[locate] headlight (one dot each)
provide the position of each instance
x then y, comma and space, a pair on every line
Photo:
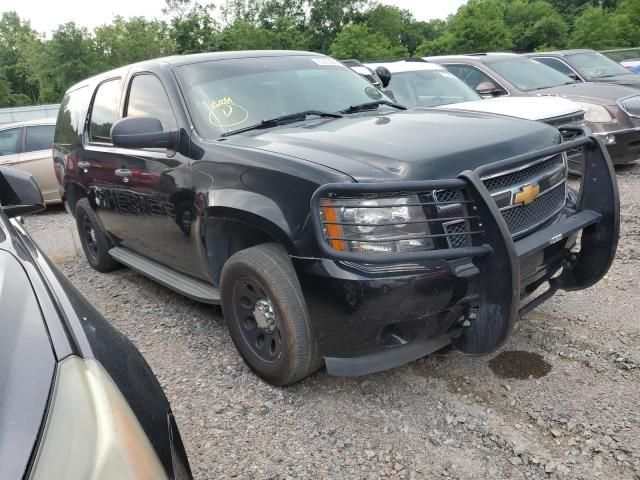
91, 432
376, 225
595, 113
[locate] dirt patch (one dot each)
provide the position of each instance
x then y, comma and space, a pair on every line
519, 364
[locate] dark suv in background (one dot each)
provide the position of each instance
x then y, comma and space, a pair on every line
332, 224
588, 66
612, 111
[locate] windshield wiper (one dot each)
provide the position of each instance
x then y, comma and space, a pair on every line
282, 120
371, 105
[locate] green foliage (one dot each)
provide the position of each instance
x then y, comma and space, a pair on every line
598, 29
358, 41
535, 23
479, 26
127, 41
34, 69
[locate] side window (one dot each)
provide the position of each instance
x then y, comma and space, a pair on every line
147, 97
556, 64
71, 118
10, 141
469, 75
104, 111
39, 137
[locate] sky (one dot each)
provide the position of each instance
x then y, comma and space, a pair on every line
46, 15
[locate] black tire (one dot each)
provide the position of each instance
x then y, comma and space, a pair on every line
94, 240
250, 278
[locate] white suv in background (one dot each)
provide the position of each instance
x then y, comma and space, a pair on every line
421, 84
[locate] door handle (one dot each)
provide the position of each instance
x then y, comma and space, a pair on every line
123, 173
84, 165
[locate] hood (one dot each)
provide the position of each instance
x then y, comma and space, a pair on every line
530, 108
592, 92
27, 365
417, 144
632, 80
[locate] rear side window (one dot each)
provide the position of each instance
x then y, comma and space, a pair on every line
469, 75
10, 141
71, 118
147, 97
555, 64
104, 111
39, 137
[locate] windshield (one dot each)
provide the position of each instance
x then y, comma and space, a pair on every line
430, 88
527, 74
227, 95
596, 65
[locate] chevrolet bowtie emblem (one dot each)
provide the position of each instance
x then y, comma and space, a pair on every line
527, 194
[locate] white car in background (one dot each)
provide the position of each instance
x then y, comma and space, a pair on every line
421, 84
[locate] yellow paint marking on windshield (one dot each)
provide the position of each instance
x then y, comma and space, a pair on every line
225, 113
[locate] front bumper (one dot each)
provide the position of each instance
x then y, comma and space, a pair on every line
371, 313
625, 148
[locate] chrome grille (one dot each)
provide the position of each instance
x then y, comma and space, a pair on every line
550, 174
568, 120
513, 179
631, 105
524, 217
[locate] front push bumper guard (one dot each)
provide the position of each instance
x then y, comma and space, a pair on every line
496, 254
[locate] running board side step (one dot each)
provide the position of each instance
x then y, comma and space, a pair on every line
179, 282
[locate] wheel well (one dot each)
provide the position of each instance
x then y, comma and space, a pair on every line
73, 193
225, 237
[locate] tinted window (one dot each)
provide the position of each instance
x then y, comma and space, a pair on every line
527, 74
470, 75
104, 112
71, 117
9, 141
39, 137
227, 95
147, 97
556, 64
597, 65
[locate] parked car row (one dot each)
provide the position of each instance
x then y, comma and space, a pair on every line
333, 224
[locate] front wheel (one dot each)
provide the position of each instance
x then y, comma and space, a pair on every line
267, 316
93, 238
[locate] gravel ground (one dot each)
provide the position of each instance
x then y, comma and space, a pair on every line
561, 399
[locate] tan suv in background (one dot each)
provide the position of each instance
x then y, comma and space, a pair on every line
27, 146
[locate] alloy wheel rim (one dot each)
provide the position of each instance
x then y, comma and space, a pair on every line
90, 237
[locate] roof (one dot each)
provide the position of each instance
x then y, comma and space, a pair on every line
563, 53
179, 60
404, 66
474, 57
19, 114
38, 121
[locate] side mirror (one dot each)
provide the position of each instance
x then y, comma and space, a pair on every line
573, 76
142, 132
19, 193
384, 75
488, 89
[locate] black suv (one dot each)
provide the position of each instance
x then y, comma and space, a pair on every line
332, 224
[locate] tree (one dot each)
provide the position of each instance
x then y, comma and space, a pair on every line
69, 56
417, 33
125, 41
357, 41
328, 17
16, 38
479, 27
388, 21
535, 24
194, 32
598, 29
